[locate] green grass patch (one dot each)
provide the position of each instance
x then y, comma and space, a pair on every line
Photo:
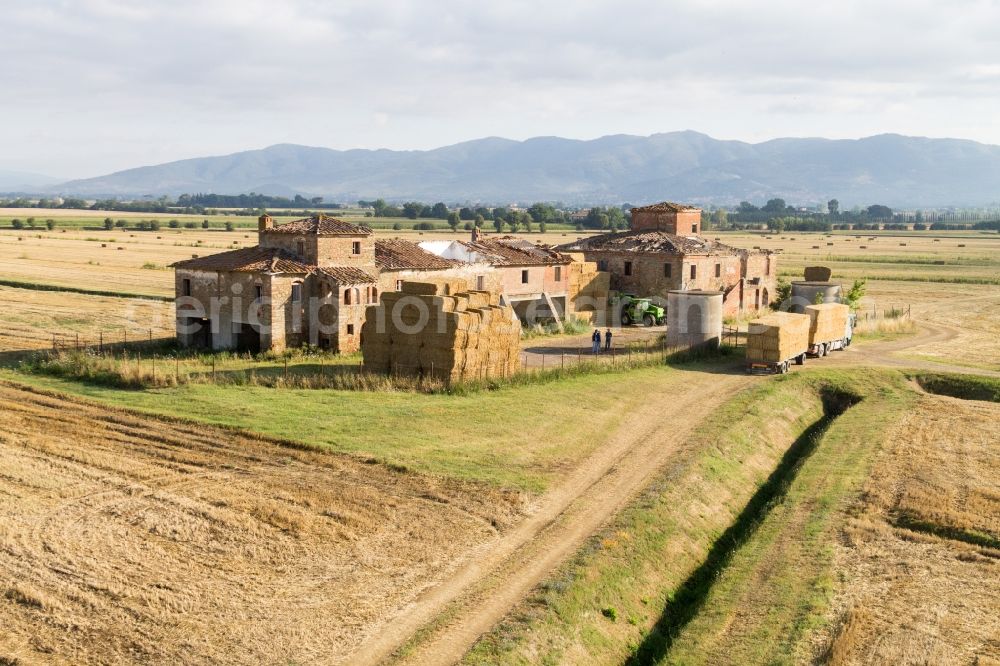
523, 436
19, 284
677, 563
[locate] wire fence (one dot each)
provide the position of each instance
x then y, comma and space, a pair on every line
129, 359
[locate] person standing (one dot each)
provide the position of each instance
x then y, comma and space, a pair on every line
596, 339
607, 340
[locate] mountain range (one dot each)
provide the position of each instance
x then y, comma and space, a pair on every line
685, 166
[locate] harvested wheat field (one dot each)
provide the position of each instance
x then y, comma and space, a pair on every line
125, 538
31, 318
920, 557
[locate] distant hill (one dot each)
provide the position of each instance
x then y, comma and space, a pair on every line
686, 166
24, 181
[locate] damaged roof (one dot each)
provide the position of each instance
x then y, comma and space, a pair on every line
320, 225
254, 259
659, 242
514, 251
666, 207
346, 274
396, 254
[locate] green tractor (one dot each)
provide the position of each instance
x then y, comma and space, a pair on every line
641, 311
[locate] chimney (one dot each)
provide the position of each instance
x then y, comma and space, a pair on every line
476, 233
265, 222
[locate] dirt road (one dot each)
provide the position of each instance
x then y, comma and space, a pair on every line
503, 571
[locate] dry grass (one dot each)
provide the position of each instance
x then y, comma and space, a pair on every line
30, 318
909, 595
126, 539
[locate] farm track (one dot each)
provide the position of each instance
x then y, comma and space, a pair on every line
505, 570
441, 625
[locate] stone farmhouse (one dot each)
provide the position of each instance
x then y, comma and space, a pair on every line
663, 251
310, 282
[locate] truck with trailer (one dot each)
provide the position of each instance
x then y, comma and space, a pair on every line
831, 327
776, 340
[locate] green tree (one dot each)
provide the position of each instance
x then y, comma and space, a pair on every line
775, 205
17, 224
154, 225
833, 206
782, 292
439, 211
466, 213
719, 218
541, 226
229, 225
412, 209
856, 293
454, 219
541, 212
525, 220
480, 220
879, 212
498, 224
50, 224
109, 224
173, 224
204, 224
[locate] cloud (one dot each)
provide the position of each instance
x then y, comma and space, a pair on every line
96, 85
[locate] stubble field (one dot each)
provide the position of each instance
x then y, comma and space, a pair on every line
128, 537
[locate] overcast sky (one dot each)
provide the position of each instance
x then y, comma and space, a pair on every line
94, 86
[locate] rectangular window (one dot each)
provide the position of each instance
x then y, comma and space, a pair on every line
350, 329
399, 285
718, 270
301, 247
694, 228
481, 283
524, 277
628, 268
356, 247
186, 287
296, 293
694, 271
667, 270
558, 273
258, 293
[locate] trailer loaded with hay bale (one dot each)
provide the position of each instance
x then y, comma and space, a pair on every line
831, 327
441, 330
775, 341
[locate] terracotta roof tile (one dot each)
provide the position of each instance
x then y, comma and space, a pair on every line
666, 207
321, 225
247, 260
346, 274
514, 251
395, 254
650, 242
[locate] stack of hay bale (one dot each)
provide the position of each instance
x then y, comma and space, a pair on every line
777, 337
442, 330
827, 322
587, 288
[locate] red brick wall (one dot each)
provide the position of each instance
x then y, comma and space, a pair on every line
684, 223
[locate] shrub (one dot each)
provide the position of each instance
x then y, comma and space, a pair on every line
610, 613
397, 226
154, 225
17, 224
204, 224
229, 226
109, 224
173, 224
121, 224
50, 224
31, 222
190, 225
